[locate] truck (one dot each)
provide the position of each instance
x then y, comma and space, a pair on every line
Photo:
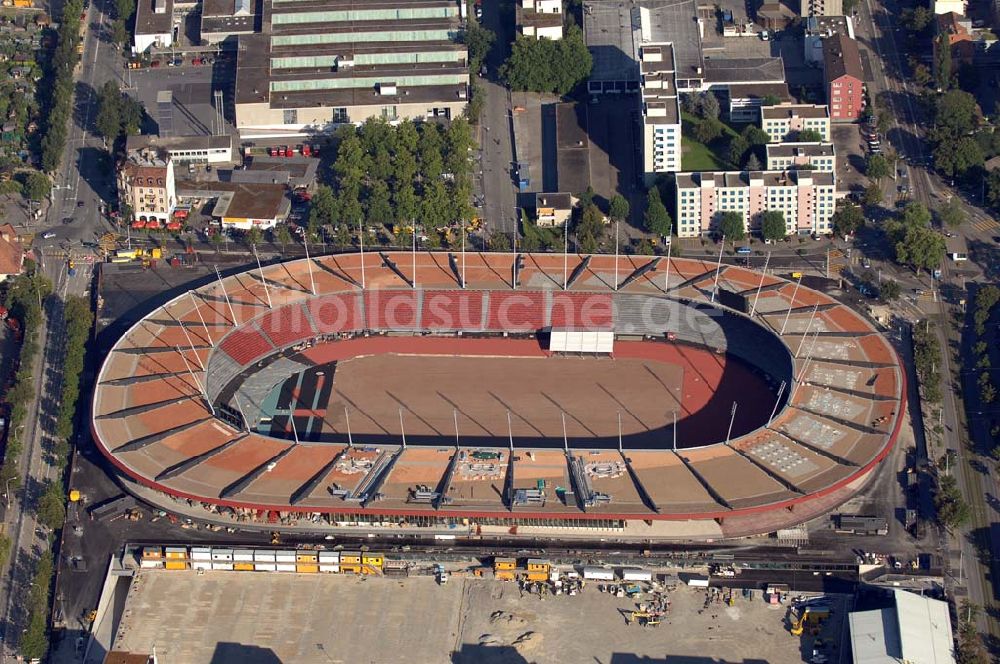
523, 176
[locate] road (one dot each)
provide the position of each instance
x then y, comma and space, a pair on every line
86, 176
495, 130
877, 28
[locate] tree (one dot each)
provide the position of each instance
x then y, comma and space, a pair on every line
707, 130
322, 207
956, 114
216, 239
51, 506
873, 194
810, 136
657, 219
253, 236
709, 106
738, 147
754, 135
847, 219
283, 236
109, 119
916, 214
921, 74
37, 186
915, 19
890, 291
952, 510
479, 40
772, 225
771, 100
955, 156
731, 225
921, 247
876, 167
942, 62
589, 229
618, 209
951, 213
753, 163
543, 65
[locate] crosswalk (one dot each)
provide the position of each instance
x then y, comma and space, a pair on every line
838, 262
986, 225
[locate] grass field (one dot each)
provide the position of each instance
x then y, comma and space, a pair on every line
697, 156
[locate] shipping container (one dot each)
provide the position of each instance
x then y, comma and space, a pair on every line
176, 564
598, 573
372, 559
329, 556
285, 567
152, 553
263, 556
243, 567
264, 567
284, 556
151, 564
329, 568
350, 568
635, 574
537, 565
201, 564
177, 553
504, 574
223, 555
351, 557
538, 576
201, 553
306, 568
224, 566
697, 581
306, 557
243, 555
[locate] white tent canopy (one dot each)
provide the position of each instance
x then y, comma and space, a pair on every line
563, 340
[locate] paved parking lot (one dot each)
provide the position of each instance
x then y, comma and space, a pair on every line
851, 155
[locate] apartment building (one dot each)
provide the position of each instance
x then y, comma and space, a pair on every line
797, 156
318, 63
154, 25
783, 121
844, 78
661, 111
805, 198
146, 185
542, 19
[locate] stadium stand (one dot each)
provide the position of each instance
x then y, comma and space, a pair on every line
287, 325
245, 344
521, 311
452, 310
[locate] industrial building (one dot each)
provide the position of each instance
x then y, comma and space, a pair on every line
915, 629
185, 149
783, 121
154, 25
316, 64
806, 199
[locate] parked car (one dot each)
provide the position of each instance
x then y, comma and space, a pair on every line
48, 235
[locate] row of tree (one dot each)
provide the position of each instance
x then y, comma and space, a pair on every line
57, 104
915, 243
118, 114
545, 65
927, 361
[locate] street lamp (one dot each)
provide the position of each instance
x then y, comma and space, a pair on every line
6, 490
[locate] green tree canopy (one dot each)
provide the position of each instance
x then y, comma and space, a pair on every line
37, 186
847, 219
657, 219
618, 208
954, 156
920, 247
810, 136
754, 135
707, 130
543, 65
890, 290
589, 229
916, 214
876, 167
738, 147
109, 120
731, 226
951, 213
479, 40
873, 194
956, 113
772, 225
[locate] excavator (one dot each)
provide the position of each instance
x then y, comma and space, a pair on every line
811, 616
644, 618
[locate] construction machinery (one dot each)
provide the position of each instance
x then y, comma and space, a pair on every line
644, 618
811, 616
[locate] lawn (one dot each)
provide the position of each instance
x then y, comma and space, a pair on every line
698, 156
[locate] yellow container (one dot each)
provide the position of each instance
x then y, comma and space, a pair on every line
349, 569
306, 568
504, 563
177, 564
538, 576
152, 553
373, 559
306, 557
536, 565
350, 557
243, 567
504, 575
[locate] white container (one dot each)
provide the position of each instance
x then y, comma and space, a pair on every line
636, 574
263, 556
201, 564
335, 569
598, 574
224, 555
698, 582
200, 553
285, 567
151, 564
226, 567
243, 555
329, 556
285, 556
263, 567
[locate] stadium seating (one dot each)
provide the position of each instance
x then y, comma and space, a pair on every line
332, 314
520, 311
452, 310
245, 345
287, 325
391, 310
582, 311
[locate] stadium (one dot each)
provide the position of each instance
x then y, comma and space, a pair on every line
552, 392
